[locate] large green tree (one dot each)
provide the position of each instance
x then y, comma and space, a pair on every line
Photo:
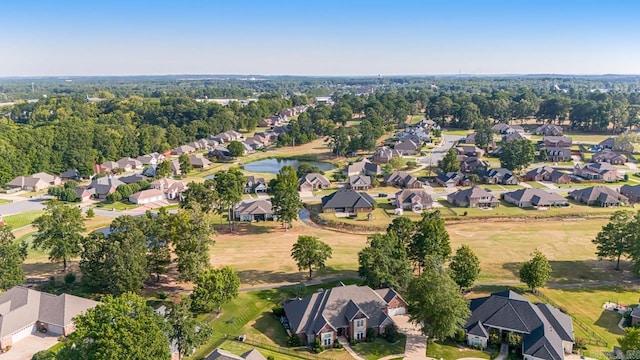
204, 194
517, 154
235, 149
464, 267
185, 164
449, 162
157, 228
536, 272
484, 134
214, 287
285, 197
117, 263
403, 228
384, 262
122, 327
430, 240
229, 186
435, 303
190, 233
630, 341
617, 237
184, 330
59, 231
12, 255
310, 253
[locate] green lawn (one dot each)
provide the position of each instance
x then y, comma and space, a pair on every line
22, 219
239, 348
456, 132
452, 351
537, 185
118, 206
380, 348
5, 201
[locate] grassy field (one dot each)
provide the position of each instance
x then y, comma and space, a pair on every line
451, 351
118, 206
380, 348
5, 201
22, 219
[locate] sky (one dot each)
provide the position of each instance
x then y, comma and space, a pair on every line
326, 37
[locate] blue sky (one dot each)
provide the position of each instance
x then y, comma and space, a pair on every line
329, 37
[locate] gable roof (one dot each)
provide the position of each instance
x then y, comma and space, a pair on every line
335, 307
314, 178
20, 307
254, 207
630, 190
413, 196
542, 326
347, 198
535, 196
603, 194
146, 194
360, 180
220, 354
470, 193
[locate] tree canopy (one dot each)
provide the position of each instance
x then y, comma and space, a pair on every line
536, 272
310, 253
449, 162
59, 231
190, 233
384, 262
464, 267
12, 255
517, 154
214, 287
430, 240
617, 237
285, 197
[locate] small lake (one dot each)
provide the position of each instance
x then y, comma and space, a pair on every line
273, 166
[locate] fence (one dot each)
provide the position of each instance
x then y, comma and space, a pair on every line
593, 339
299, 352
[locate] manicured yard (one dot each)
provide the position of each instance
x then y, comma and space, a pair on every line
22, 219
239, 348
5, 201
452, 351
117, 206
380, 348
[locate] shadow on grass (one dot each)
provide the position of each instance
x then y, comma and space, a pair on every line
579, 271
243, 229
270, 326
608, 320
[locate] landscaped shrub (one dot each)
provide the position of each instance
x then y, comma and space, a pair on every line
391, 333
337, 345
294, 341
352, 341
580, 344
371, 334
460, 336
316, 347
278, 311
270, 357
494, 338
514, 340
627, 318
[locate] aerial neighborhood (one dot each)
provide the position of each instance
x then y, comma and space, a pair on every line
355, 221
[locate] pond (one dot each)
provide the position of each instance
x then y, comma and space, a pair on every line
273, 166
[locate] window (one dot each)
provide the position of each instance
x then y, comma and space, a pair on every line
359, 335
326, 339
360, 323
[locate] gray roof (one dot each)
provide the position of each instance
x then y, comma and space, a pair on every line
336, 307
360, 180
21, 307
347, 198
132, 178
536, 196
220, 354
314, 178
413, 196
254, 207
102, 185
630, 190
603, 194
464, 196
546, 169
70, 174
636, 312
543, 326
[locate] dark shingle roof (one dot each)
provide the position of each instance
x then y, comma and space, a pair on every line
347, 198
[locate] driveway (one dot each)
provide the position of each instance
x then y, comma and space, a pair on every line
416, 348
25, 348
22, 205
448, 141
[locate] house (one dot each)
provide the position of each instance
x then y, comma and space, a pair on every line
131, 179
513, 136
83, 193
547, 173
146, 196
52, 180
255, 142
347, 201
635, 316
128, 164
151, 159
172, 189
220, 152
255, 185
182, 150
532, 197
473, 197
599, 196
596, 172
547, 333
384, 154
219, 354
609, 156
198, 161
607, 144
407, 147
101, 187
364, 167
548, 130
71, 174
558, 153
25, 311
360, 182
557, 142
254, 210
313, 182
470, 139
500, 176
502, 128
342, 311
631, 191
472, 151
452, 179
402, 180
472, 164
108, 166
27, 183
228, 136
415, 200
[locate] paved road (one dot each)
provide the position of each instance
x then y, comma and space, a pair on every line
448, 141
20, 206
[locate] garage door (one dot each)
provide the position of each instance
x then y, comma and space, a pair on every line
54, 329
397, 311
23, 333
